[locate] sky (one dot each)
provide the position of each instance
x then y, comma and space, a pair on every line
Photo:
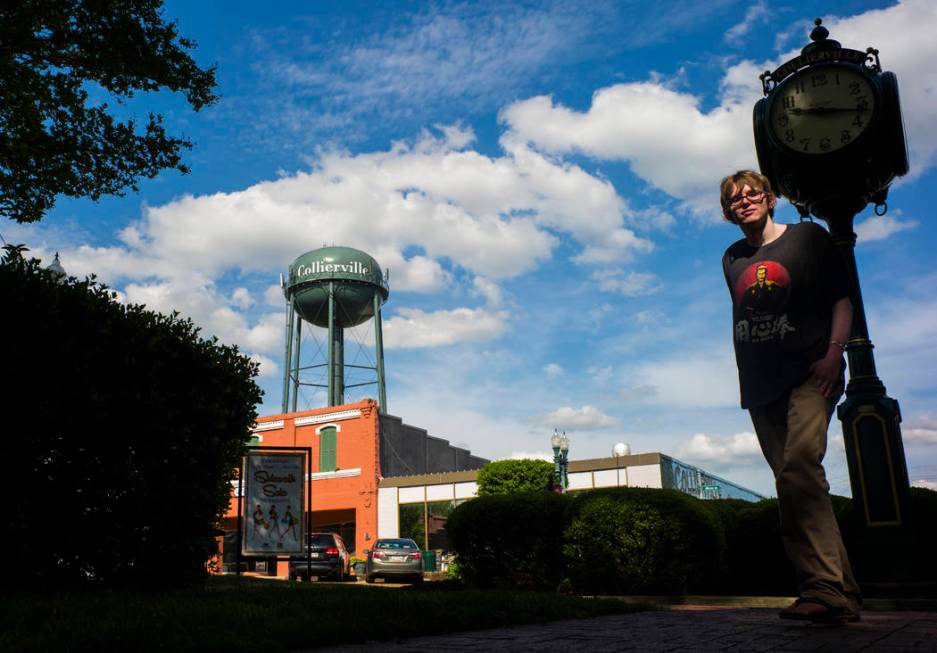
541, 180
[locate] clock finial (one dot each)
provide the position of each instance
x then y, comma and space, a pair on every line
819, 40
819, 32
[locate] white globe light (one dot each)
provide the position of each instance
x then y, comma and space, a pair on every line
621, 449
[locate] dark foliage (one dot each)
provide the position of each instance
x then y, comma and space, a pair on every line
509, 540
124, 428
757, 563
642, 541
509, 476
53, 139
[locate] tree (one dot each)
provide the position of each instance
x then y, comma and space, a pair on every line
510, 476
53, 139
123, 431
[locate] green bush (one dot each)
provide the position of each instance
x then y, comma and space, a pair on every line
509, 476
509, 540
123, 431
756, 562
642, 541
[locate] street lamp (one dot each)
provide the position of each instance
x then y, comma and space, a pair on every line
560, 444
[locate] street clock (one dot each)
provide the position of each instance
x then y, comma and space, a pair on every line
828, 132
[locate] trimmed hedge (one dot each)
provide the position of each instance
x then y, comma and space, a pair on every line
509, 540
124, 428
641, 541
648, 541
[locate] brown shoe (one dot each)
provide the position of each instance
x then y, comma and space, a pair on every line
818, 612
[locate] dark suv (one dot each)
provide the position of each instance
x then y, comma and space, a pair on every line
328, 557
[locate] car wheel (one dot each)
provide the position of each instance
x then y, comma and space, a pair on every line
418, 580
369, 579
292, 578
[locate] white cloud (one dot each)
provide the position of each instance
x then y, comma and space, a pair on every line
273, 296
600, 375
426, 209
879, 228
927, 485
241, 297
553, 370
489, 291
662, 133
531, 455
671, 142
445, 54
738, 449
584, 418
633, 284
686, 380
923, 430
414, 328
755, 15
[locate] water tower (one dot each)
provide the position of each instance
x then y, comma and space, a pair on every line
333, 288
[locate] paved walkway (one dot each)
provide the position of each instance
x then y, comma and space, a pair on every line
690, 628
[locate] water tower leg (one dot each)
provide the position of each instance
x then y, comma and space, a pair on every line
336, 354
290, 316
379, 355
299, 333
331, 352
338, 348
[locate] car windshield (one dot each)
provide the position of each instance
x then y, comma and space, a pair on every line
321, 540
396, 544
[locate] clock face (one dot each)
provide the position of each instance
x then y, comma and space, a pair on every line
822, 109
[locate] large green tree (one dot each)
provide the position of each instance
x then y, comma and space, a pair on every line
53, 139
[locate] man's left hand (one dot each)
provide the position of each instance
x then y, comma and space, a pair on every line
827, 371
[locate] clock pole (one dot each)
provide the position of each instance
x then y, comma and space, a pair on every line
796, 125
871, 420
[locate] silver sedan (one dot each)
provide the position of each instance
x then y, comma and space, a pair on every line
397, 558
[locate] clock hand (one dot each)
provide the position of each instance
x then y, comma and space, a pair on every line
824, 110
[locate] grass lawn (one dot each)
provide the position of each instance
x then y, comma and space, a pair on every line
248, 614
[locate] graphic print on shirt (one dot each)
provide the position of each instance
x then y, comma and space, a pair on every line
761, 294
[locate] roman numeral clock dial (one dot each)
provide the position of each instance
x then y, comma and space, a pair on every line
822, 109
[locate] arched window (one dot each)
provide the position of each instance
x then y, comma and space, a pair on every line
328, 442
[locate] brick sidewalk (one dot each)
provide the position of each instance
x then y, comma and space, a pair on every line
689, 628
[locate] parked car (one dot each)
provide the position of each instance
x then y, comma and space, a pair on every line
328, 557
397, 558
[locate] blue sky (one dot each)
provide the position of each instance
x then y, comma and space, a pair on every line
541, 180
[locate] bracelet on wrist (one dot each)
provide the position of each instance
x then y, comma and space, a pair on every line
842, 347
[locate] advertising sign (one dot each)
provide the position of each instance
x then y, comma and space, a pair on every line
274, 503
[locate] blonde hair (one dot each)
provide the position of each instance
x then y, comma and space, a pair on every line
755, 180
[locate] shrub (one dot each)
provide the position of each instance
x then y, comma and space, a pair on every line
509, 540
641, 541
756, 561
124, 428
508, 476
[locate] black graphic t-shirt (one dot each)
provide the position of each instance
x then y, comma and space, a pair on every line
782, 306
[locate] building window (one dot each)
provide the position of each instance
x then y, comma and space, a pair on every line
327, 447
413, 522
437, 513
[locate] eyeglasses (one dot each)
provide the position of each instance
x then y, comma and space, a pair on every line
753, 197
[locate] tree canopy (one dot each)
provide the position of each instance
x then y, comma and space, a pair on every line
53, 139
509, 476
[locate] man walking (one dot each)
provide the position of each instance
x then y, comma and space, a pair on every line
791, 318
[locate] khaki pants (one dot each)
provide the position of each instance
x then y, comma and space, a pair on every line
792, 434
